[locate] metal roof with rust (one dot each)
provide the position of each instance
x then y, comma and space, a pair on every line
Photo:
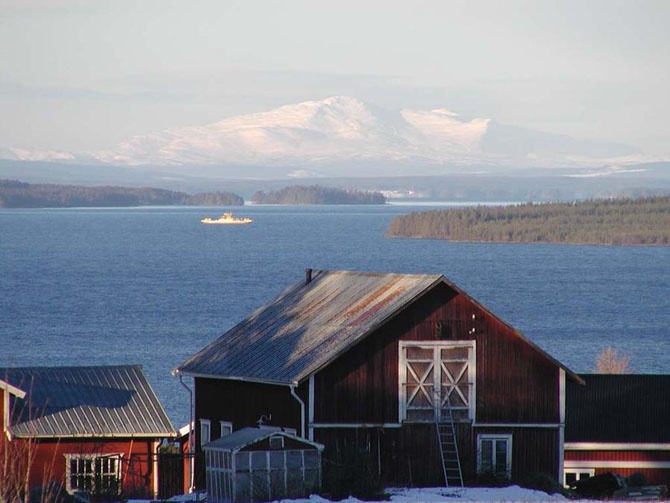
307, 325
312, 323
104, 401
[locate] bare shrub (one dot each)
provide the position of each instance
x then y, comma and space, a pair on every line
609, 361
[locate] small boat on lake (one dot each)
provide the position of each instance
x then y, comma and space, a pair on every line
226, 219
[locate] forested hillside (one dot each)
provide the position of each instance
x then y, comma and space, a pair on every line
314, 194
15, 194
610, 222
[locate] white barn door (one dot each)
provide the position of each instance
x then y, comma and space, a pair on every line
435, 376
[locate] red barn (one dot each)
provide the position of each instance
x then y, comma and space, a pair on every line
619, 424
93, 430
408, 367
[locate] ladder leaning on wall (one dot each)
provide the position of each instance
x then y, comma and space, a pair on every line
448, 445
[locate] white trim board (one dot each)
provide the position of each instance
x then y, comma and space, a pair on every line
356, 425
597, 446
588, 463
517, 425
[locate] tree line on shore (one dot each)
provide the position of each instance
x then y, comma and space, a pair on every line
644, 221
315, 194
16, 194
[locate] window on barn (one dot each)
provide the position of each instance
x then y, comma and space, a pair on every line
437, 378
100, 475
205, 431
572, 475
225, 427
494, 455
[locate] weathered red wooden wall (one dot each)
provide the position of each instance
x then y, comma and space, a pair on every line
136, 467
243, 403
515, 384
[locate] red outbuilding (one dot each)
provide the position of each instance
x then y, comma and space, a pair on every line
408, 368
619, 424
94, 430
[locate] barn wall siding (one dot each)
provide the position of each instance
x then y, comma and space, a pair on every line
243, 403
515, 384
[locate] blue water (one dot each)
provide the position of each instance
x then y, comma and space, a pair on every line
152, 286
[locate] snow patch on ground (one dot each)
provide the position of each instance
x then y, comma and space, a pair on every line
402, 495
424, 494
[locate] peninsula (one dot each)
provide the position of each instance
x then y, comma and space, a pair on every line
16, 194
621, 222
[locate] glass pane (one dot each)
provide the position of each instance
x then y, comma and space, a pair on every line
413, 353
501, 456
456, 353
312, 459
276, 460
243, 486
259, 461
422, 370
293, 459
487, 456
277, 485
295, 484
454, 371
242, 462
423, 397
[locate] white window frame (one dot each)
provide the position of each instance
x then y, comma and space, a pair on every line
590, 472
205, 425
226, 426
116, 473
402, 372
276, 442
493, 437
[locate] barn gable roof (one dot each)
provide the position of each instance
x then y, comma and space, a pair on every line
623, 408
312, 323
105, 401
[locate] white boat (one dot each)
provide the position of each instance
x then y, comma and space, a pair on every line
226, 219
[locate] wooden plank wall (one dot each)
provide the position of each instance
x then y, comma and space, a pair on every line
514, 382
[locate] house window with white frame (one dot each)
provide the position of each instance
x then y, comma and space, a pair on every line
205, 431
494, 455
572, 475
93, 474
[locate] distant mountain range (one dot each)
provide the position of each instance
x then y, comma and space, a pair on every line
342, 136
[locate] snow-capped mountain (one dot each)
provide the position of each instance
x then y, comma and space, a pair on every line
341, 129
342, 136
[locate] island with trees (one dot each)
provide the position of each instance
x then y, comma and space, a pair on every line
644, 221
16, 194
315, 194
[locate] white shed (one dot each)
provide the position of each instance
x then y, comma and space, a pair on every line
260, 464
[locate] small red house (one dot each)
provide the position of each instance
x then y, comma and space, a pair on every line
407, 367
94, 430
619, 424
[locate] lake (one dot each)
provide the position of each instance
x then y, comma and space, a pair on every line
152, 286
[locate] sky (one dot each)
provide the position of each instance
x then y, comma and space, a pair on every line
84, 75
